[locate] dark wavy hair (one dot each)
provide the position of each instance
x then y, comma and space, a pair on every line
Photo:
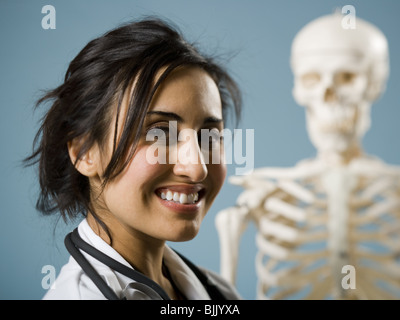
93, 88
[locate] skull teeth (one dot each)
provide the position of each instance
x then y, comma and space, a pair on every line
342, 126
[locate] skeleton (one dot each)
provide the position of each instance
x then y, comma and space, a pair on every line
339, 211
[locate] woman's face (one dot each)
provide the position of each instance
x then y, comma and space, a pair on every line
138, 201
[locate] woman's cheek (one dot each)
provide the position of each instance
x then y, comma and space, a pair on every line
143, 170
140, 175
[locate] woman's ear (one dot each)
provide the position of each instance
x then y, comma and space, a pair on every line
88, 164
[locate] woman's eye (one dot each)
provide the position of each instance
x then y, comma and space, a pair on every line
212, 137
160, 133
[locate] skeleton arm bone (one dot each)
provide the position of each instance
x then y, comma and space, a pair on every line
230, 224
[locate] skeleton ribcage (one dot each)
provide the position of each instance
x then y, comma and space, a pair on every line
333, 237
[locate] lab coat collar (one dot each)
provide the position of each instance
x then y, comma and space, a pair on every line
183, 277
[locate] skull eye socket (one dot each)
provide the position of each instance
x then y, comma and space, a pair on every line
345, 78
310, 79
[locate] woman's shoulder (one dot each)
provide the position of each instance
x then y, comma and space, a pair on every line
72, 284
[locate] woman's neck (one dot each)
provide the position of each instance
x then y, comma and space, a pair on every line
143, 253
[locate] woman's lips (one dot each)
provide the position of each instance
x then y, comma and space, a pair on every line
181, 198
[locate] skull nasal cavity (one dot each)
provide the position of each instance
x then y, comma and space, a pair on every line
330, 95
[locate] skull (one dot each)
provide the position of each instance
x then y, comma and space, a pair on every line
338, 74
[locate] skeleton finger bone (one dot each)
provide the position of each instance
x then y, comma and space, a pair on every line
280, 231
298, 191
253, 198
281, 207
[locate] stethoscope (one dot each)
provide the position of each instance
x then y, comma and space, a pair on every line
74, 242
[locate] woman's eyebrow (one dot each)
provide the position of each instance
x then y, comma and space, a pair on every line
166, 114
178, 118
213, 120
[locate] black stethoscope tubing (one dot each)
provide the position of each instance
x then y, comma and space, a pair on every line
74, 242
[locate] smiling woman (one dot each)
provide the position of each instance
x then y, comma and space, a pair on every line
91, 149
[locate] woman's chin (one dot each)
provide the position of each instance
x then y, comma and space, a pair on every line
183, 235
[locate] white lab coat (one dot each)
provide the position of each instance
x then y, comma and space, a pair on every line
73, 284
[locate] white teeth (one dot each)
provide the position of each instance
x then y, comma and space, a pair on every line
180, 197
183, 198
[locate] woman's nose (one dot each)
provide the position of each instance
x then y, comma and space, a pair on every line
190, 161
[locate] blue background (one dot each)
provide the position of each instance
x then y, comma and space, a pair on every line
256, 35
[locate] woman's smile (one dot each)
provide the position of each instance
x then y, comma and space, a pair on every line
181, 198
